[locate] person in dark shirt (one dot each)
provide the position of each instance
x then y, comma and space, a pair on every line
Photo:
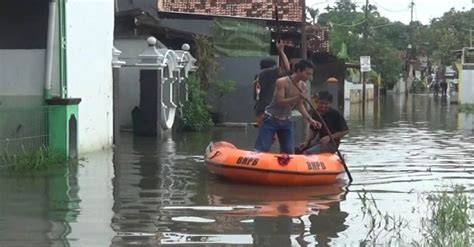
319, 140
265, 83
442, 82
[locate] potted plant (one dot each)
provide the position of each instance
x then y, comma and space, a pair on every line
218, 90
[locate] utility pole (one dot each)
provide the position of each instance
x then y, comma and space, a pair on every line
412, 4
363, 77
366, 12
304, 52
410, 48
470, 35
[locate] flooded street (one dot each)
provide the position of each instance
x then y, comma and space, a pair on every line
147, 193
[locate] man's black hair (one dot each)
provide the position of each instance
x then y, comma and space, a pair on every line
325, 95
302, 65
267, 63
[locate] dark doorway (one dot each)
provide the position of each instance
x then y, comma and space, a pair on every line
73, 137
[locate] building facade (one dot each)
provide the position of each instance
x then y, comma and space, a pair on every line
56, 75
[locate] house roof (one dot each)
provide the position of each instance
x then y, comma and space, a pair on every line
200, 16
289, 10
130, 19
318, 36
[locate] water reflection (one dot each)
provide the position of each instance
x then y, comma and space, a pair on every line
38, 209
285, 216
274, 216
159, 192
147, 179
466, 122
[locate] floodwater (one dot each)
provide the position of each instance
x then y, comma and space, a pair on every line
153, 193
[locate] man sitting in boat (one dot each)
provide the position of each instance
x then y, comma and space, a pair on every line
319, 140
278, 113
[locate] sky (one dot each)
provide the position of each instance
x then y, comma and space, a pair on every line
398, 10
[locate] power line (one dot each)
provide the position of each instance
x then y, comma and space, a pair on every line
391, 10
332, 3
314, 4
347, 25
416, 14
383, 25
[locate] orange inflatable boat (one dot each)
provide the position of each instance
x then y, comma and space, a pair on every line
226, 160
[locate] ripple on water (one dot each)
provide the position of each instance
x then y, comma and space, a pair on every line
162, 194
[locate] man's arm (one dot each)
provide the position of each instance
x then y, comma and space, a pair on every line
303, 111
336, 136
342, 130
286, 63
307, 117
339, 135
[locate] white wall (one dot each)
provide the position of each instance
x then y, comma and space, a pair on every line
465, 121
466, 89
353, 91
400, 87
90, 25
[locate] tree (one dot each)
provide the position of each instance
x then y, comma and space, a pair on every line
386, 40
348, 26
445, 34
313, 14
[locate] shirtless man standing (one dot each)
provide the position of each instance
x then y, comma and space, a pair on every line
277, 118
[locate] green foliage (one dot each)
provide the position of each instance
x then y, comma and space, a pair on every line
467, 108
206, 60
380, 223
195, 115
196, 111
448, 222
445, 34
418, 86
41, 159
382, 43
342, 54
386, 41
218, 90
313, 14
224, 86
235, 37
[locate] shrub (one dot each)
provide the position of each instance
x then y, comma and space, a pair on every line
195, 116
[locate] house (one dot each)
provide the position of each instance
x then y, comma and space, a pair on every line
56, 83
132, 28
466, 84
176, 22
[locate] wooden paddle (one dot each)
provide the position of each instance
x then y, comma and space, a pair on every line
333, 142
308, 143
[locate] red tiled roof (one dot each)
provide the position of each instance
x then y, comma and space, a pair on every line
288, 9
